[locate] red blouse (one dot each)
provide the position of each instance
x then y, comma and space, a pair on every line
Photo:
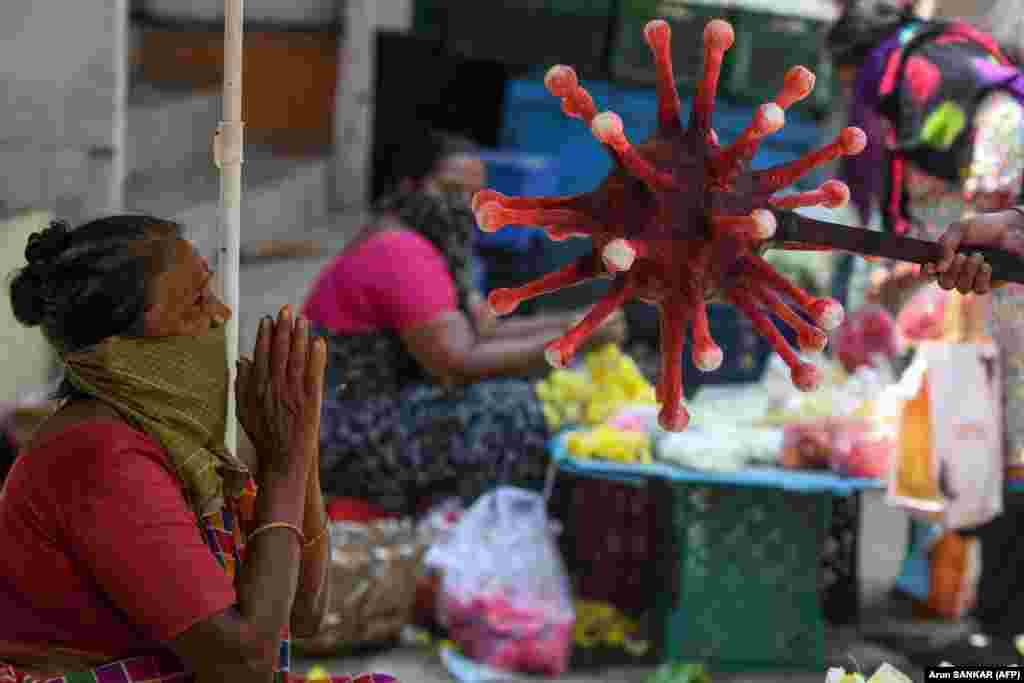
98, 549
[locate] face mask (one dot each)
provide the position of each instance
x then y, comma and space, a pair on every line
174, 389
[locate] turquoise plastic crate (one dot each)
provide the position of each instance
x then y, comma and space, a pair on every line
748, 592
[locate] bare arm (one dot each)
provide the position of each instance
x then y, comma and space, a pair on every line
243, 643
314, 593
451, 352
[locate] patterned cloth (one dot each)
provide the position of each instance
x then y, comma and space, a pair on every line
225, 533
398, 440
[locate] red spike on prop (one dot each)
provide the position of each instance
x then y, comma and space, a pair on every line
561, 351
658, 35
607, 128
805, 376
707, 355
768, 119
679, 221
832, 194
674, 313
496, 211
798, 84
809, 338
561, 82
850, 141
718, 37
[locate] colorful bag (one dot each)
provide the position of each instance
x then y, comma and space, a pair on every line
949, 465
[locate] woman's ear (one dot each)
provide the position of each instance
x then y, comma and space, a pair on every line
152, 325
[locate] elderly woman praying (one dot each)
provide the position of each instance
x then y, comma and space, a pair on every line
135, 545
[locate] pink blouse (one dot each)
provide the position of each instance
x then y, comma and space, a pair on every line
395, 279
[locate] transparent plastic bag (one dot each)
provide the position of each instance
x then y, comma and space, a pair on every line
505, 596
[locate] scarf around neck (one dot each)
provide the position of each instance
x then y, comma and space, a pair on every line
175, 390
448, 223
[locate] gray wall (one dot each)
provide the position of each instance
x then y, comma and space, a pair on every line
63, 72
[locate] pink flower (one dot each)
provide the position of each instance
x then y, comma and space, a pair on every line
923, 78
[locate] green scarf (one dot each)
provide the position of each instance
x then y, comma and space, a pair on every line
175, 390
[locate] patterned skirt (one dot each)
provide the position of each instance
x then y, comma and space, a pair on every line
401, 451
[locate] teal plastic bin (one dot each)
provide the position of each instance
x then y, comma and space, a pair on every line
749, 579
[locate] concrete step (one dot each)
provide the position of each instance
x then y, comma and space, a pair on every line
281, 196
265, 287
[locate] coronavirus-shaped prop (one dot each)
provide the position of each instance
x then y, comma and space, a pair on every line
681, 221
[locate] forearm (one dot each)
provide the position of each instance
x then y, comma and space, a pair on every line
503, 357
269, 576
313, 593
528, 326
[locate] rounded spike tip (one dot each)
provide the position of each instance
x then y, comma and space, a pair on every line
719, 35
853, 140
502, 301
828, 314
709, 359
837, 194
765, 223
674, 420
553, 356
607, 127
561, 80
658, 33
618, 255
489, 217
483, 197
771, 119
801, 81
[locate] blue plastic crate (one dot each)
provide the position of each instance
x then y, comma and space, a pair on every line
518, 174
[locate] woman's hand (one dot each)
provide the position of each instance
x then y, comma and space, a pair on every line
1002, 229
279, 394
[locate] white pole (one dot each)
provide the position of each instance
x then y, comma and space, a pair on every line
115, 196
353, 107
228, 157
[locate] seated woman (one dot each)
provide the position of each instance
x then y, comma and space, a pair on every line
135, 546
426, 392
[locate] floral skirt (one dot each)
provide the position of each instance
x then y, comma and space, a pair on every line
400, 451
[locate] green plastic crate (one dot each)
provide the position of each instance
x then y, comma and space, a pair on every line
632, 61
769, 45
532, 33
749, 579
429, 18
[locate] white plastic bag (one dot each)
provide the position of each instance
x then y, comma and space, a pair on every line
966, 412
506, 598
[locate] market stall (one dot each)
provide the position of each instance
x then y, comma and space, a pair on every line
745, 498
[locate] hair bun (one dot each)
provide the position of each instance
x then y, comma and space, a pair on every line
45, 247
